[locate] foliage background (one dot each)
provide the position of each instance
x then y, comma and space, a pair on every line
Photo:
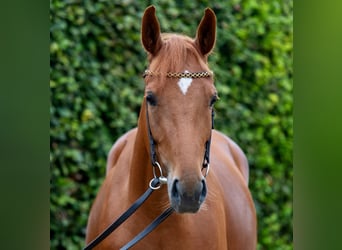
96, 62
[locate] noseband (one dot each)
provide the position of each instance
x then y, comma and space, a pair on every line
153, 154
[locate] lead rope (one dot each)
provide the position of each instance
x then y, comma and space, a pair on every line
154, 184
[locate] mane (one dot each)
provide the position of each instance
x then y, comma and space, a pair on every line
176, 55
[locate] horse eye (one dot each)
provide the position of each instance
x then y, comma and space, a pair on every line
213, 100
151, 99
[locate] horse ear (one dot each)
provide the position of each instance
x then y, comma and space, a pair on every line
150, 31
206, 32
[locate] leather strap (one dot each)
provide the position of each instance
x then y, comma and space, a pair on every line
123, 217
153, 154
149, 228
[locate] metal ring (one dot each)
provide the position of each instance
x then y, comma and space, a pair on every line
207, 167
155, 187
156, 164
162, 179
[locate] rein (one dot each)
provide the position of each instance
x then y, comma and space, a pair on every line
154, 185
156, 182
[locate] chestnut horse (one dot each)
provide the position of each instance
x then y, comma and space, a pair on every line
213, 209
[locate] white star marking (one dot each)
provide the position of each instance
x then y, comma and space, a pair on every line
184, 83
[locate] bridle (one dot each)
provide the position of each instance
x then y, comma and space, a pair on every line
201, 74
153, 154
157, 181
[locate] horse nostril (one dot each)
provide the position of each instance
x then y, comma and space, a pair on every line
175, 190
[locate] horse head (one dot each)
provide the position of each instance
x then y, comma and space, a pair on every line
179, 98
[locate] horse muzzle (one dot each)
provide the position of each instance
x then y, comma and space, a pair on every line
187, 196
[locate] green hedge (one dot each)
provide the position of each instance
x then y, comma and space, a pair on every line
96, 89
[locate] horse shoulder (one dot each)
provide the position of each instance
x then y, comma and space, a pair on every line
118, 148
235, 152
230, 172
